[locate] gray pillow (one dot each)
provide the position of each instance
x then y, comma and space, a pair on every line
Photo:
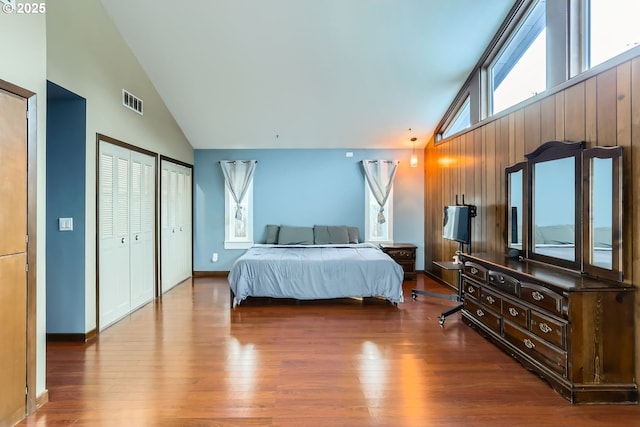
338, 235
321, 235
290, 235
353, 234
272, 234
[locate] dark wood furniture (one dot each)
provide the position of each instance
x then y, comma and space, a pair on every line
574, 331
405, 255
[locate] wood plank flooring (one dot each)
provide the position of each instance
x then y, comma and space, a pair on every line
187, 360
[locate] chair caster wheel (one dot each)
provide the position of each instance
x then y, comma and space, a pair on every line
414, 296
441, 320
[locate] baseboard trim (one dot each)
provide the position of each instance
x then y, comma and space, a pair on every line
210, 273
72, 337
42, 398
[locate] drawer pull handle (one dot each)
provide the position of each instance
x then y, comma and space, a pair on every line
470, 289
537, 296
529, 344
545, 328
480, 313
501, 279
490, 300
474, 270
513, 312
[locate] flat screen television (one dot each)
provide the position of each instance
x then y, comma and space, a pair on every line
456, 224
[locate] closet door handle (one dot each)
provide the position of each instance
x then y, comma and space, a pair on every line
122, 240
137, 237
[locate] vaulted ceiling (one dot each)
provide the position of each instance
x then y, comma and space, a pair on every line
307, 73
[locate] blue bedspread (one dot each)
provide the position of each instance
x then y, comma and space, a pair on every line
316, 272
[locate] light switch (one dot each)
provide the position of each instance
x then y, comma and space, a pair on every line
65, 224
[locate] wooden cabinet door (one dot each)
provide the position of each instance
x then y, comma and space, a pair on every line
13, 257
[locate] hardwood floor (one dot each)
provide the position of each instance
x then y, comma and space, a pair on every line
188, 360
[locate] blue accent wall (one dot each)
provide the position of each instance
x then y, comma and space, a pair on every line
65, 178
301, 187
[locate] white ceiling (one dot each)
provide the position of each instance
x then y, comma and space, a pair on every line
307, 73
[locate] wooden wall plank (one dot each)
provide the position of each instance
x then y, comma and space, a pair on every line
591, 112
574, 113
623, 105
479, 145
606, 107
632, 199
519, 133
488, 207
548, 119
560, 112
532, 133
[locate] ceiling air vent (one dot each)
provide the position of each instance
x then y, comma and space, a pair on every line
132, 102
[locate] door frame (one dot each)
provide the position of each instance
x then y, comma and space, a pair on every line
32, 400
110, 140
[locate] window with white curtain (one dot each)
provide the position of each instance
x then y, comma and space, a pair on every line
374, 231
238, 232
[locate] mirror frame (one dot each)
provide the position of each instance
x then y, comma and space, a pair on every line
518, 167
556, 150
615, 154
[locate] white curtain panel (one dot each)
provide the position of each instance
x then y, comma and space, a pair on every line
237, 176
379, 174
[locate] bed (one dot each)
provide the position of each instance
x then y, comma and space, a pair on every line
315, 271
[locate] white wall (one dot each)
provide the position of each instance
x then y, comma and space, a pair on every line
24, 64
86, 55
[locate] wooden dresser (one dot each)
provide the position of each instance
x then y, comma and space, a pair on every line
574, 331
405, 255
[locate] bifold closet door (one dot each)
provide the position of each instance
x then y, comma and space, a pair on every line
175, 219
142, 235
126, 253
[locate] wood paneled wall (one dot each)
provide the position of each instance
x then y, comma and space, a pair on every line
601, 110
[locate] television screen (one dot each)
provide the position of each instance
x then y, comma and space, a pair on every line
457, 224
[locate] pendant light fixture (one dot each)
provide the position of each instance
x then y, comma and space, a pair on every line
414, 158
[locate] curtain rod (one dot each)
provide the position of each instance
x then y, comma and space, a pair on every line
243, 161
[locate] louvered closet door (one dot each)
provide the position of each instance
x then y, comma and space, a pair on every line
114, 240
142, 225
176, 253
186, 237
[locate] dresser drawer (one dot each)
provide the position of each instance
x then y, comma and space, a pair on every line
504, 282
550, 329
402, 254
491, 299
476, 271
547, 354
484, 315
543, 298
515, 312
470, 289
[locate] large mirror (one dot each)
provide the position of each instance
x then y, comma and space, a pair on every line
603, 195
554, 209
564, 207
555, 203
515, 206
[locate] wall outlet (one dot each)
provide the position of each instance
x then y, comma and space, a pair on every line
214, 257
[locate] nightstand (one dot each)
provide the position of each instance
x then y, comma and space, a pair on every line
405, 255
